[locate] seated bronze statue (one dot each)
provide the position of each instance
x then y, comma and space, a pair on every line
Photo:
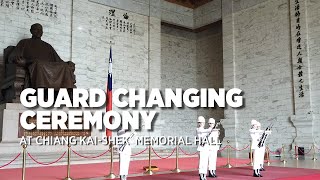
40, 65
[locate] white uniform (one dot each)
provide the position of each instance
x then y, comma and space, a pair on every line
203, 150
213, 149
125, 153
255, 136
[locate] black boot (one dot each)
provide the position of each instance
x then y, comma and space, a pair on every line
255, 173
122, 177
259, 173
202, 177
212, 173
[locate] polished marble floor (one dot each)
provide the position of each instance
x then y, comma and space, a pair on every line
302, 162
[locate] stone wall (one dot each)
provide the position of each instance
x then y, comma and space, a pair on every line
210, 66
177, 15
207, 13
178, 70
190, 60
260, 57
259, 64
313, 26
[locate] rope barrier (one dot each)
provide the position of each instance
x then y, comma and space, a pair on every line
223, 148
10, 161
91, 157
175, 149
187, 154
166, 156
140, 152
275, 152
239, 149
45, 164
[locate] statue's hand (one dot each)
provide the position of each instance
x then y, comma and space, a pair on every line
20, 61
72, 65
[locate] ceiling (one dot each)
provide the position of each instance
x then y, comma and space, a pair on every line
190, 3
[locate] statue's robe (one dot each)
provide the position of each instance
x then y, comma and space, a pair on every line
45, 68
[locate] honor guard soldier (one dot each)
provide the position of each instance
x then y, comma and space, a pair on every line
124, 150
213, 147
254, 133
202, 148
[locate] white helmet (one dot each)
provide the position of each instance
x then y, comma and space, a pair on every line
254, 122
258, 124
211, 120
201, 119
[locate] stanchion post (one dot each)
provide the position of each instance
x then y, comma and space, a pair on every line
228, 165
111, 175
250, 155
283, 155
314, 152
149, 171
177, 170
268, 156
296, 149
68, 166
24, 156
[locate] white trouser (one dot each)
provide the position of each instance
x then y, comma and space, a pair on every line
257, 156
203, 161
124, 163
263, 150
213, 160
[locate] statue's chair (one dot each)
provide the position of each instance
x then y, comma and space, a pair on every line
14, 78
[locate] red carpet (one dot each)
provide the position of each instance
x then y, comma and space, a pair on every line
244, 173
100, 170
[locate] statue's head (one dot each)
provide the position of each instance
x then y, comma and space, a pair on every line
36, 30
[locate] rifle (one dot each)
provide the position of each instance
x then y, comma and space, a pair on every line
207, 136
122, 146
265, 135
